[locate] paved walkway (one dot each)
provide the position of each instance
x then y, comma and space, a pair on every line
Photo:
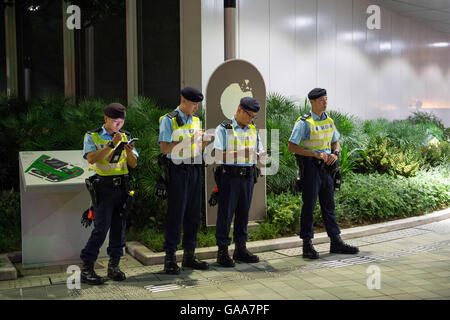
413, 263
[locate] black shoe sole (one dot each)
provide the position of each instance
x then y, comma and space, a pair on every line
244, 261
93, 283
310, 257
172, 272
226, 265
116, 279
342, 252
195, 268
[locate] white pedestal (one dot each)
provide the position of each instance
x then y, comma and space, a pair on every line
51, 213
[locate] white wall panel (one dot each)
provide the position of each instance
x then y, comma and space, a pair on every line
282, 46
213, 52
301, 44
305, 48
254, 35
360, 63
343, 79
326, 48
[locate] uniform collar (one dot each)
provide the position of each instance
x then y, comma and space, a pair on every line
104, 131
236, 125
316, 117
182, 115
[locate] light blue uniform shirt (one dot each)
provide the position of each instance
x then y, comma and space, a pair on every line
220, 141
89, 145
302, 131
166, 127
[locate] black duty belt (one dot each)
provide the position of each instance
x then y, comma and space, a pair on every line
190, 164
238, 171
114, 181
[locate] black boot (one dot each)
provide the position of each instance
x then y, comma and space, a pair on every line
339, 246
89, 276
170, 264
223, 258
308, 250
114, 272
242, 254
191, 261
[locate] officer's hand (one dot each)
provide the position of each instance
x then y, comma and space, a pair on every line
197, 137
332, 158
322, 156
129, 147
117, 138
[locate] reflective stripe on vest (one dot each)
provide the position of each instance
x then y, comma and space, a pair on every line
103, 167
241, 140
186, 131
320, 134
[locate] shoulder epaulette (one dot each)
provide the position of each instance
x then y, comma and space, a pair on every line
95, 130
227, 124
305, 116
172, 114
176, 115
128, 134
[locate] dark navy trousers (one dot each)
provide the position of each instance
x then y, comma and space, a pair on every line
318, 183
107, 217
183, 206
235, 197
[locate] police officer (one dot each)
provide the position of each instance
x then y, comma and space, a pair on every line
180, 138
99, 145
315, 138
236, 142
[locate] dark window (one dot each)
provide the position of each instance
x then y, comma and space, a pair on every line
39, 47
101, 56
159, 51
2, 53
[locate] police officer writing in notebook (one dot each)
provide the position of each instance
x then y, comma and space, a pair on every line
185, 179
315, 139
113, 181
236, 143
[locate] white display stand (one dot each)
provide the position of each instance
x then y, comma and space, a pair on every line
52, 233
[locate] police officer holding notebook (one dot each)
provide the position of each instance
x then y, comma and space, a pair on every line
236, 144
180, 139
112, 187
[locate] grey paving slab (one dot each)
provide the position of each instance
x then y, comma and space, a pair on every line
413, 264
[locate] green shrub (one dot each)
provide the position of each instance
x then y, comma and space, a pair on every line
11, 130
383, 156
10, 236
435, 125
436, 154
266, 230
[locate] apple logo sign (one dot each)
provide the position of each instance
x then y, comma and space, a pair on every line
232, 95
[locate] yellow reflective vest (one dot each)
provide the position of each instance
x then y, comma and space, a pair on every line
320, 133
184, 131
103, 167
240, 140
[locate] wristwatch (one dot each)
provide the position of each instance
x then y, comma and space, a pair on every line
336, 152
111, 144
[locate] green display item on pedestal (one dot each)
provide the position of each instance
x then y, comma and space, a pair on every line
53, 170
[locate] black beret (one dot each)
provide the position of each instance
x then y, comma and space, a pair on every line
250, 104
192, 94
115, 110
316, 93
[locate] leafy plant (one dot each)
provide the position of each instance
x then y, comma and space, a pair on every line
347, 159
10, 237
384, 157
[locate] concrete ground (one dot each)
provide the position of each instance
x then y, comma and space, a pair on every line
412, 264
